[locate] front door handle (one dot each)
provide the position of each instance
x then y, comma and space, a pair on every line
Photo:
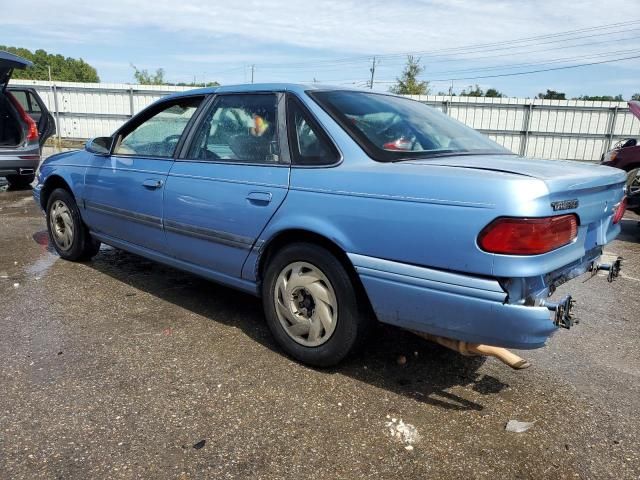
259, 198
152, 184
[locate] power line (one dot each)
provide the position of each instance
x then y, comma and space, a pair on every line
468, 48
513, 74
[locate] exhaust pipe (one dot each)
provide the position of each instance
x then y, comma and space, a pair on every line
475, 349
26, 171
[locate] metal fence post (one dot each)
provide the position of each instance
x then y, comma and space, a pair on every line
613, 115
526, 126
131, 112
57, 111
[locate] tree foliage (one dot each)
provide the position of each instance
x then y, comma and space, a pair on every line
635, 96
65, 69
600, 98
552, 95
478, 92
408, 83
143, 77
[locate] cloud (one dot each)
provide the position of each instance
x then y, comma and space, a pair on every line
366, 27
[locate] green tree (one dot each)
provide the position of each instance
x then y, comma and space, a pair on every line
635, 96
552, 95
143, 77
601, 98
493, 93
478, 92
472, 92
408, 83
65, 69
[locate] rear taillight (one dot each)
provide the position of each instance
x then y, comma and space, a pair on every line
528, 236
32, 127
620, 209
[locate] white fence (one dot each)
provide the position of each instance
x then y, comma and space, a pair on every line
557, 129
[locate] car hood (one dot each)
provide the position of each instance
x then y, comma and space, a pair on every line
563, 175
634, 107
8, 62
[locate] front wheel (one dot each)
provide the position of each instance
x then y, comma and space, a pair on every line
312, 306
68, 233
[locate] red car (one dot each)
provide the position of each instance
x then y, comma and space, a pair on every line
626, 155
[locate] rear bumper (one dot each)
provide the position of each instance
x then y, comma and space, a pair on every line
20, 163
452, 305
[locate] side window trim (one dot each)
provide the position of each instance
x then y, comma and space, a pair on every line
317, 127
209, 104
146, 114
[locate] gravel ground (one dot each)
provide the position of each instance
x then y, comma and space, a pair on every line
122, 368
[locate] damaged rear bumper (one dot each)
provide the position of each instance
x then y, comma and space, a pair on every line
468, 308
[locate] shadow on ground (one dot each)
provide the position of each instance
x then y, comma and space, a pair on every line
429, 375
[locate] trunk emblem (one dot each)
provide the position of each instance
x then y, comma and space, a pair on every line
564, 205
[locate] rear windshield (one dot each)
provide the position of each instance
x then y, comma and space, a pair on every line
391, 128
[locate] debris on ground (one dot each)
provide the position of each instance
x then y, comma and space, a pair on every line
200, 444
516, 426
405, 432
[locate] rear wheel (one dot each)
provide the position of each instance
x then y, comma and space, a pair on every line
20, 181
68, 233
312, 306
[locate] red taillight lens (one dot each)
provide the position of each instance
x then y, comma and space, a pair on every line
619, 213
528, 236
32, 127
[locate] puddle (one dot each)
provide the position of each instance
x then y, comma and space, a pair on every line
41, 265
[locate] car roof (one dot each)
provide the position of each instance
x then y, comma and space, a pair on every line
261, 87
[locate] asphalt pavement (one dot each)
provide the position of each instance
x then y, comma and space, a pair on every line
123, 368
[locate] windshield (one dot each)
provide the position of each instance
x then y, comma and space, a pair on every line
393, 128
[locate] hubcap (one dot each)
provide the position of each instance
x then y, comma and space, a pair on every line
61, 225
633, 181
306, 304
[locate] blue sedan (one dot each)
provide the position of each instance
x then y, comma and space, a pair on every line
340, 208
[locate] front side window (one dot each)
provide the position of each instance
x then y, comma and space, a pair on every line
158, 135
391, 128
309, 143
238, 128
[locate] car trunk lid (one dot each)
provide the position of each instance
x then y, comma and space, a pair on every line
591, 191
9, 62
560, 176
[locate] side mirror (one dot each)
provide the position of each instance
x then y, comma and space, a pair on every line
99, 145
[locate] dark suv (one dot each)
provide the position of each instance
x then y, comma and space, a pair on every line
25, 124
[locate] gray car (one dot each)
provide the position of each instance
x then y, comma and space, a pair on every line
25, 124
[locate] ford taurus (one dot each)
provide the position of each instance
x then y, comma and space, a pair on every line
339, 208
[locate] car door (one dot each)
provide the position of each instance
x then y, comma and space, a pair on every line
230, 180
124, 190
35, 107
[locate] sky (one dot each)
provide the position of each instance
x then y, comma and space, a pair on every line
334, 41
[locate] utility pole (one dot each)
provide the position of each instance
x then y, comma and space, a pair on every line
253, 67
49, 68
373, 71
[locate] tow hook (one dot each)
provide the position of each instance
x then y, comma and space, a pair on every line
613, 269
563, 311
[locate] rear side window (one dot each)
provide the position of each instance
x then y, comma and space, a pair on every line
159, 134
239, 128
21, 97
309, 144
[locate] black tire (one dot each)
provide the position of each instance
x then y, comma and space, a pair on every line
82, 245
20, 181
353, 321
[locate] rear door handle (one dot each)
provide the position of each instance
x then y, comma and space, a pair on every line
152, 184
259, 198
